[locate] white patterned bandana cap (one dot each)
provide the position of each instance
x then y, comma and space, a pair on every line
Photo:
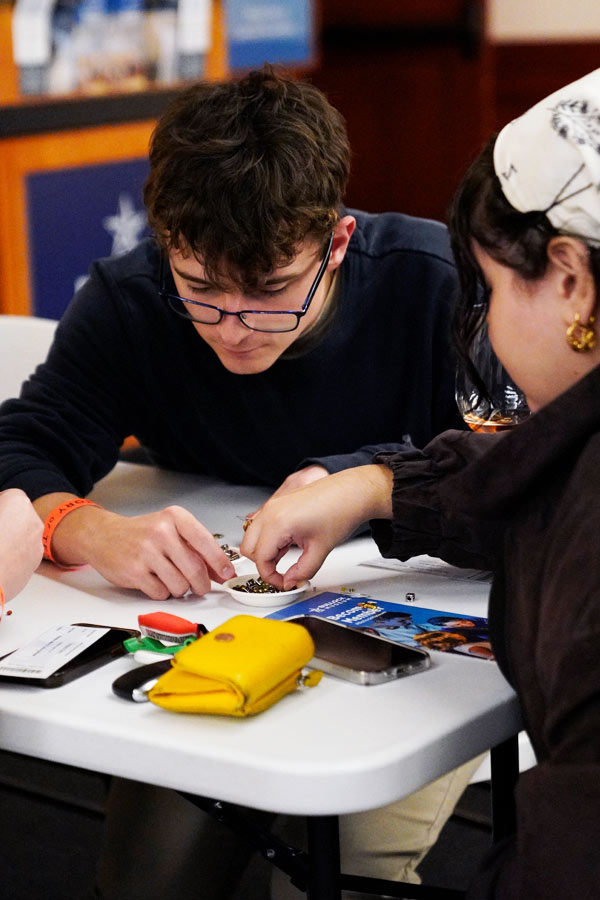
548, 160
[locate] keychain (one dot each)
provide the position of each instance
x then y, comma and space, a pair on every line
168, 628
163, 634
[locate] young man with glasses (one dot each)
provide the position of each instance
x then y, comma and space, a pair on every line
263, 309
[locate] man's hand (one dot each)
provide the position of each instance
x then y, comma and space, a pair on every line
20, 541
293, 482
164, 554
315, 518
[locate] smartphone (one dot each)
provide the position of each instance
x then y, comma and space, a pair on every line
360, 656
54, 645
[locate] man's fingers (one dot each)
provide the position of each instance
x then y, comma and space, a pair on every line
185, 570
154, 587
203, 543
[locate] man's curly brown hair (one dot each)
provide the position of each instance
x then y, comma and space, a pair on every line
242, 172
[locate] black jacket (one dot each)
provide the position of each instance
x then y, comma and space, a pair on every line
527, 504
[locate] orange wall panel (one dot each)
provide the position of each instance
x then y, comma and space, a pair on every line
21, 156
8, 72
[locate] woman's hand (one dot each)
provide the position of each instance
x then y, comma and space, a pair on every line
315, 518
293, 482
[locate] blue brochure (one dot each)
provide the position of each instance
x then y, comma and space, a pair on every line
414, 626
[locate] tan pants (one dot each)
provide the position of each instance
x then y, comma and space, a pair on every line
159, 845
389, 842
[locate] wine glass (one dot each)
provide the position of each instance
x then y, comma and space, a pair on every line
506, 405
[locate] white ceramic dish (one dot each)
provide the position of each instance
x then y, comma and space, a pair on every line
281, 598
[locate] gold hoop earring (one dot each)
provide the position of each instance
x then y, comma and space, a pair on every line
580, 337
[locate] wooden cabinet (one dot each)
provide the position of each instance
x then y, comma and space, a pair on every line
422, 88
412, 80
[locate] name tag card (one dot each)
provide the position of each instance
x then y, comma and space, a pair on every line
51, 651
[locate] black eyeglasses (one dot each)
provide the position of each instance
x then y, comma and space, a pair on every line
268, 320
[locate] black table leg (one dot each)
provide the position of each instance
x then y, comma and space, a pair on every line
505, 772
323, 858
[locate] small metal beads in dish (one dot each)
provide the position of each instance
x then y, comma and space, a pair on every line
251, 590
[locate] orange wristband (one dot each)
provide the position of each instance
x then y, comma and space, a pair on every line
55, 517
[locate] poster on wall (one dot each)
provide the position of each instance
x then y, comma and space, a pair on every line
75, 216
276, 31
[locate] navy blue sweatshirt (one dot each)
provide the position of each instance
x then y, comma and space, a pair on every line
123, 363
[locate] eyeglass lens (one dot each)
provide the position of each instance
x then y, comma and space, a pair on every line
257, 320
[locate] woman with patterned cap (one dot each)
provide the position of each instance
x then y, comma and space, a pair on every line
526, 503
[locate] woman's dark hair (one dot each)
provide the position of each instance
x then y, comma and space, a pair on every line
241, 172
480, 212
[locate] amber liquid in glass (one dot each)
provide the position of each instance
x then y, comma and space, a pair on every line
497, 422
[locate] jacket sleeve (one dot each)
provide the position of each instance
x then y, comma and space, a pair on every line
65, 430
428, 512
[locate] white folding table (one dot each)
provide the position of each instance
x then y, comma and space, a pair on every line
319, 752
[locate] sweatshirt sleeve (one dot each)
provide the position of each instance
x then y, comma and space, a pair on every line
361, 457
428, 513
65, 430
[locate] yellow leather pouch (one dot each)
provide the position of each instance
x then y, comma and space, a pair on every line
238, 669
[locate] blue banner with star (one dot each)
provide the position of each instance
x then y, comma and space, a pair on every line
75, 216
275, 31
